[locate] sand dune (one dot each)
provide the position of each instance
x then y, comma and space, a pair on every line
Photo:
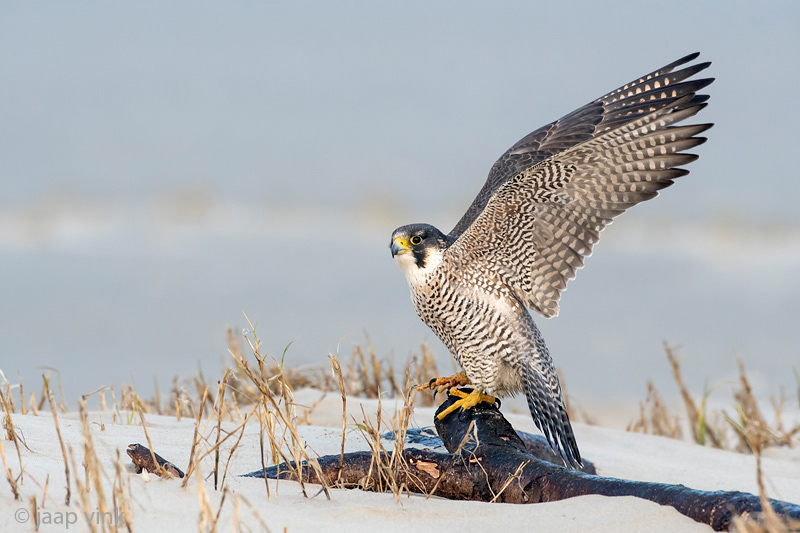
157, 504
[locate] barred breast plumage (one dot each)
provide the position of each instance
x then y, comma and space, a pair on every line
537, 216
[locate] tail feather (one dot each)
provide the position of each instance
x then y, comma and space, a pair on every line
546, 403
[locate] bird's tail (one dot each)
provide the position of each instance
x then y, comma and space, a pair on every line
546, 403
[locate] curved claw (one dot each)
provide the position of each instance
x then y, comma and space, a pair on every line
444, 383
467, 401
437, 390
430, 385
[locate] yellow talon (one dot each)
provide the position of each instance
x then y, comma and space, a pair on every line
442, 384
467, 401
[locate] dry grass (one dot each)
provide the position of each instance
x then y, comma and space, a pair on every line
260, 388
274, 401
747, 431
270, 386
68, 496
654, 417
756, 434
717, 429
388, 464
365, 375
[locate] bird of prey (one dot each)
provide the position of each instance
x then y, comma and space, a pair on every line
538, 215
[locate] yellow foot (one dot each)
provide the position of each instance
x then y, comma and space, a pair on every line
442, 384
467, 401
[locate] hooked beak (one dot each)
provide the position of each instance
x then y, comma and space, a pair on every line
399, 246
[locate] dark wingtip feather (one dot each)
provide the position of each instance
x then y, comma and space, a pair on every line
679, 62
703, 83
690, 57
690, 71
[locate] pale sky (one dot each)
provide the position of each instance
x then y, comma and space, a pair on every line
322, 101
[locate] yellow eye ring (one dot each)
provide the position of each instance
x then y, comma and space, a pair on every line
415, 240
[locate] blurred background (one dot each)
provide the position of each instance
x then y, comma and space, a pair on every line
166, 168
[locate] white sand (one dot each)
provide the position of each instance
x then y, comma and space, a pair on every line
162, 505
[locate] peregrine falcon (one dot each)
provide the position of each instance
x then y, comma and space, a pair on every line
538, 215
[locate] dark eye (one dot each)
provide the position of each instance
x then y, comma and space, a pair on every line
415, 240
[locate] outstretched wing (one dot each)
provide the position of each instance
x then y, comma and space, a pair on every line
539, 225
635, 99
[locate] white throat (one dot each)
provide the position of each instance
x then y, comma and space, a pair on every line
415, 275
